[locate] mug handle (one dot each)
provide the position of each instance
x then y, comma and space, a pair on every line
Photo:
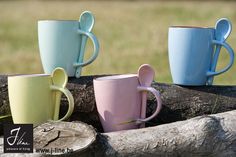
69, 98
159, 104
95, 48
231, 54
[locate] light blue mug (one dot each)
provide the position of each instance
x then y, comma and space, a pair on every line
62, 44
191, 52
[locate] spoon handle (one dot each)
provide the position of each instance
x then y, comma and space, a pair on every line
214, 63
143, 108
57, 105
81, 55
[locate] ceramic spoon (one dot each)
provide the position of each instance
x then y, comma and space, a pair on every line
86, 24
222, 31
59, 79
146, 75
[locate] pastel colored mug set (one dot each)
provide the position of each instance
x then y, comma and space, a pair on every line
120, 99
36, 98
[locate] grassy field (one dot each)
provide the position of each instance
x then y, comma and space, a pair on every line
130, 33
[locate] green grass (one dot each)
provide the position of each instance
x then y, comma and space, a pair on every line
130, 33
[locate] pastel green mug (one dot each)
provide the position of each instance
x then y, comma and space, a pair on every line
35, 98
62, 43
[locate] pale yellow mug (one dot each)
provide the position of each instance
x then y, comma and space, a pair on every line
35, 99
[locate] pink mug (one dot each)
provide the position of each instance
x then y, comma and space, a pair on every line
119, 102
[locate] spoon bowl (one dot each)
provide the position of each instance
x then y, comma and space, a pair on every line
223, 29
146, 75
59, 77
86, 21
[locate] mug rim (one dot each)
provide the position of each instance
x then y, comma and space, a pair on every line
190, 27
27, 75
57, 20
116, 77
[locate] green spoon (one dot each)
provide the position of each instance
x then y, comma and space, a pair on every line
59, 78
86, 24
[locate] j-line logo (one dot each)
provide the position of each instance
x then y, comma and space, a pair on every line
18, 138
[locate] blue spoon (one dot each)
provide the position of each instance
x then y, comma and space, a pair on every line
222, 31
86, 24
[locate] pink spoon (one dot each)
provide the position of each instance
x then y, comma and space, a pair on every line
146, 75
